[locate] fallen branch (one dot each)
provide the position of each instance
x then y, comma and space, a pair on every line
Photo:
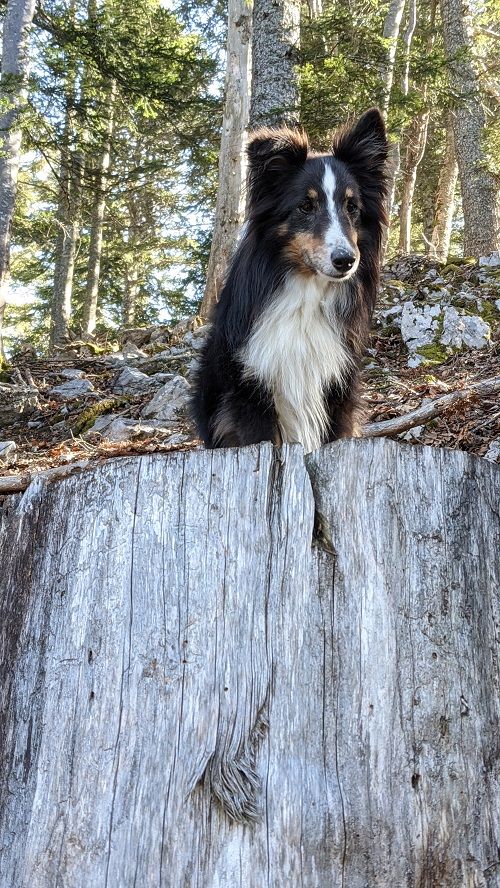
434, 408
18, 483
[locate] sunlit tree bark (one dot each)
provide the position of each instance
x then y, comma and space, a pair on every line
479, 189
15, 61
230, 208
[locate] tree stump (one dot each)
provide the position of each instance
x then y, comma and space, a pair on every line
240, 668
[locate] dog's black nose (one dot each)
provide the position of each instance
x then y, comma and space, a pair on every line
343, 262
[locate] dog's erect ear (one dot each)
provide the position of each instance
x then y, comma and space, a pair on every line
364, 145
272, 155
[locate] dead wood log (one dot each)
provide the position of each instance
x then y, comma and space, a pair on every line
224, 669
421, 415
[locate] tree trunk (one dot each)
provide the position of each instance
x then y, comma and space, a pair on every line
416, 138
71, 169
445, 200
97, 223
130, 296
220, 669
392, 25
15, 62
479, 189
230, 208
275, 41
68, 219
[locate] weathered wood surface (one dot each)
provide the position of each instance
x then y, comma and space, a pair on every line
202, 685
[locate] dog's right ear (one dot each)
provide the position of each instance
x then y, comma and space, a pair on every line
274, 153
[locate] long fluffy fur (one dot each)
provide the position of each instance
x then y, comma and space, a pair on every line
281, 362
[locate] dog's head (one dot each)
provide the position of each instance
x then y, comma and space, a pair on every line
318, 208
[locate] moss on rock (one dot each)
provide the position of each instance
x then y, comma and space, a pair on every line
86, 419
433, 353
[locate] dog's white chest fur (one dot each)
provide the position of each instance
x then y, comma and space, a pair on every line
296, 349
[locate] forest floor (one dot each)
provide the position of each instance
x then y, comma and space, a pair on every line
53, 430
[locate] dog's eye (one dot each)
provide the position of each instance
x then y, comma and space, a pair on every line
352, 207
306, 207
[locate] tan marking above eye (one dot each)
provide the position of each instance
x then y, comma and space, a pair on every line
312, 194
349, 193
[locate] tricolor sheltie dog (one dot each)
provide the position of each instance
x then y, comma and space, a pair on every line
281, 361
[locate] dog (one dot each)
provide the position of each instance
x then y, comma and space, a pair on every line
282, 359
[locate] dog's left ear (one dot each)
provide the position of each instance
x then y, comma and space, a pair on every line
363, 147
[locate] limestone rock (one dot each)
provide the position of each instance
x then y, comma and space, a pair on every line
461, 330
74, 388
131, 353
7, 453
16, 400
117, 428
419, 324
133, 381
493, 452
170, 402
72, 373
491, 261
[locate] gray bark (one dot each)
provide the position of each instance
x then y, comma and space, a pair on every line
445, 199
97, 222
130, 295
230, 209
275, 40
392, 25
15, 63
479, 189
68, 221
200, 689
71, 168
416, 139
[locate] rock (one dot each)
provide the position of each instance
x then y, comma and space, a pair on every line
116, 428
116, 359
196, 338
7, 453
131, 353
132, 381
74, 388
187, 324
135, 335
142, 336
413, 434
493, 452
461, 330
72, 373
432, 332
170, 401
16, 400
161, 333
491, 261
419, 324
390, 316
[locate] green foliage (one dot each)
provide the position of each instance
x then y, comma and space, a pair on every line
161, 187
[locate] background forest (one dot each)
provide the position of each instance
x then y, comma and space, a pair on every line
128, 117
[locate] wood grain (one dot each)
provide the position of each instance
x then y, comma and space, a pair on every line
204, 684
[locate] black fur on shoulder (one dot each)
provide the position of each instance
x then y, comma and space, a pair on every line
299, 293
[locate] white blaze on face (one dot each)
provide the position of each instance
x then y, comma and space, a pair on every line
335, 239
